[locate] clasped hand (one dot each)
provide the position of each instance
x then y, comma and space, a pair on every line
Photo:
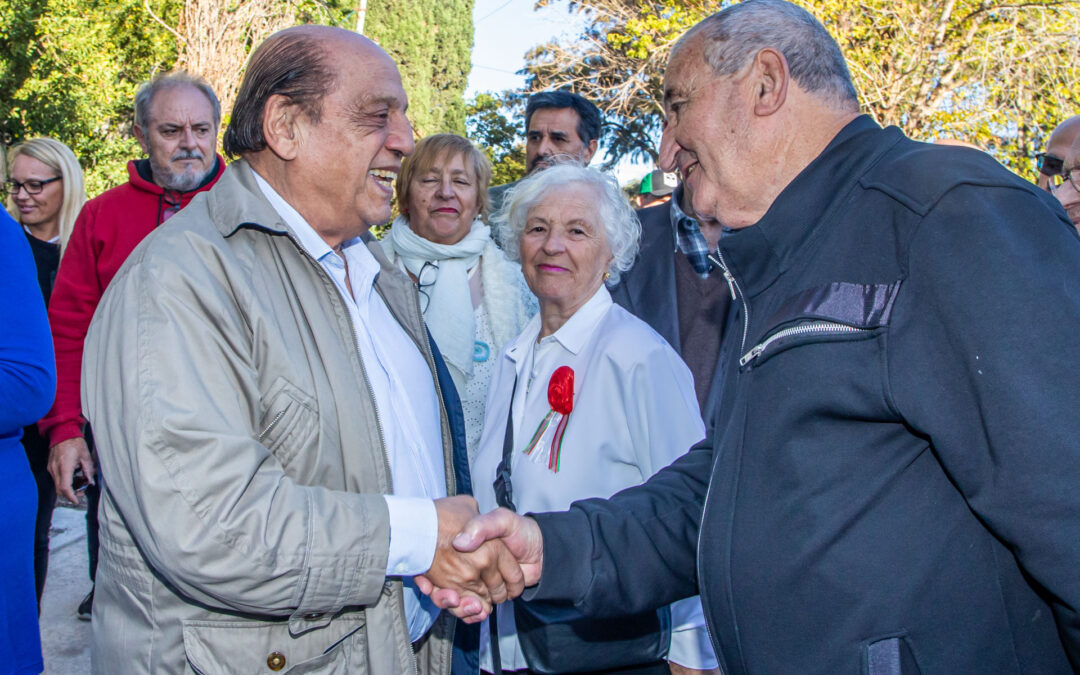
481, 560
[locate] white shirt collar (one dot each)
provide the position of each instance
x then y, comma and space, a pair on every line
573, 334
363, 268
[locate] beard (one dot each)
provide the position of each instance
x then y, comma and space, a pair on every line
185, 180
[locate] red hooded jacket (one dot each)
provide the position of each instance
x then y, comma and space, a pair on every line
108, 229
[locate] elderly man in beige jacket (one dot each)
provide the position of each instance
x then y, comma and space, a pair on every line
274, 436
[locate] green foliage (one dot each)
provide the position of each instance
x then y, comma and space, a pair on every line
499, 137
69, 69
1000, 74
432, 42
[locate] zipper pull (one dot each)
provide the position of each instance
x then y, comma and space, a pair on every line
751, 355
727, 275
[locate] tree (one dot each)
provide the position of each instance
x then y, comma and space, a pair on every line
495, 134
995, 73
431, 40
69, 69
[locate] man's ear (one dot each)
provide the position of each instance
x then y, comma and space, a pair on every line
144, 143
590, 151
282, 126
771, 79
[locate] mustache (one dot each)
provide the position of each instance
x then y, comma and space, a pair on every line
186, 154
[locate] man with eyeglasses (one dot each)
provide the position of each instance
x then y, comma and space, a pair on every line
176, 123
1051, 163
1068, 192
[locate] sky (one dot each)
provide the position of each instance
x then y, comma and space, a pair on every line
504, 31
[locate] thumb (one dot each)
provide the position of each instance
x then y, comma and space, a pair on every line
480, 529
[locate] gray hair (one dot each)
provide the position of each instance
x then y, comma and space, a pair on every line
145, 95
735, 34
612, 210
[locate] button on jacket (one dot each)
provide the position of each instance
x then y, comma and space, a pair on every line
243, 522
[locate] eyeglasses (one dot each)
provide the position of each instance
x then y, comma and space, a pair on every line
32, 187
1049, 165
424, 281
1072, 176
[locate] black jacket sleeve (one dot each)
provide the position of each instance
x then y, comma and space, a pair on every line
984, 360
633, 552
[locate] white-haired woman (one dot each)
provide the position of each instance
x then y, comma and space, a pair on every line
473, 299
45, 193
588, 399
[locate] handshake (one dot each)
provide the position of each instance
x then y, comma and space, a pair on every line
481, 560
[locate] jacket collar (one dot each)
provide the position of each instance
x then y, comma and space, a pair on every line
758, 254
142, 178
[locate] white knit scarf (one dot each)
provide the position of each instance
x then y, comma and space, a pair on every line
449, 313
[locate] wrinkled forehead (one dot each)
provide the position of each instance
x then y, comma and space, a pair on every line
686, 67
181, 104
555, 119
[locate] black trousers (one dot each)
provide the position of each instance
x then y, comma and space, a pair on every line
46, 493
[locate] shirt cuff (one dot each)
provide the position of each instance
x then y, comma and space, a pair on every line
690, 645
414, 532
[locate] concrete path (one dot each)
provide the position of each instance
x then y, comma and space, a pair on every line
65, 640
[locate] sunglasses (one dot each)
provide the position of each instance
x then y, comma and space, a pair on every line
1049, 165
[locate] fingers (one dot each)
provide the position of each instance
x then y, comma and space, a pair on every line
64, 457
494, 525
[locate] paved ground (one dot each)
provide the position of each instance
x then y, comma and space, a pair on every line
64, 639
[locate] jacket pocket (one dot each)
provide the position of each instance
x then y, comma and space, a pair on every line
836, 312
290, 418
234, 647
890, 656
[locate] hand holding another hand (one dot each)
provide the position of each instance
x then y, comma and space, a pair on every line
476, 577
518, 549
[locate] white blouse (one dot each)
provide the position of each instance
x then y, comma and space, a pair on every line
634, 413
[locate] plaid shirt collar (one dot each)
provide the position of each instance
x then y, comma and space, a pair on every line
689, 238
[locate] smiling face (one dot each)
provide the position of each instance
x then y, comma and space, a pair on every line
444, 201
553, 132
40, 212
179, 137
564, 249
708, 139
341, 178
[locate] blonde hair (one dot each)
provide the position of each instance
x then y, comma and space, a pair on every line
432, 148
61, 159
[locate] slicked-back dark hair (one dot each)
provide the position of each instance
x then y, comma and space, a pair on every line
588, 126
291, 63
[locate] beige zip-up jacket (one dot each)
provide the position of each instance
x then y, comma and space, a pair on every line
243, 528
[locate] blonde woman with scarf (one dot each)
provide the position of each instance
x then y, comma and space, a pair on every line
473, 299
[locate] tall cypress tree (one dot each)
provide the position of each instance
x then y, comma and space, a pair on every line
432, 42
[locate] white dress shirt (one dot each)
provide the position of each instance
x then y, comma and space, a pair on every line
634, 413
406, 404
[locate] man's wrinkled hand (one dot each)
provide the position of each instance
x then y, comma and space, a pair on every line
476, 579
520, 536
64, 458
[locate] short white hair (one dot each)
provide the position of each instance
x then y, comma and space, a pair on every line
611, 210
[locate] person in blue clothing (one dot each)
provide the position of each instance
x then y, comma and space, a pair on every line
27, 386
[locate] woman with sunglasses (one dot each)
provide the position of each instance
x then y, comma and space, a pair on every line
45, 194
473, 299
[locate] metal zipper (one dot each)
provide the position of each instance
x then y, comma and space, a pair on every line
813, 328
736, 293
273, 423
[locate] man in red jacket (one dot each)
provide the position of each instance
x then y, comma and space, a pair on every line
176, 123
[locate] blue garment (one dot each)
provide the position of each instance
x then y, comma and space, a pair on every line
27, 386
891, 488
